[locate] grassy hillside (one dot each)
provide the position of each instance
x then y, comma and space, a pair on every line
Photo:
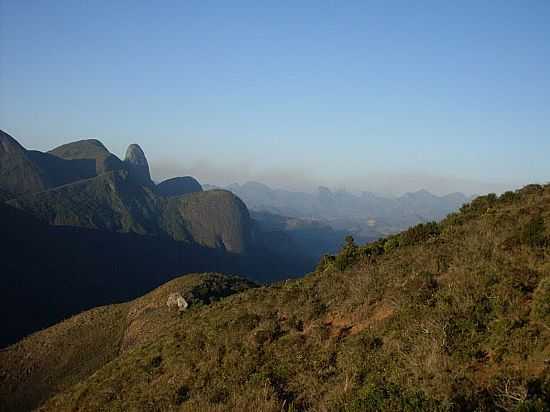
63, 355
452, 316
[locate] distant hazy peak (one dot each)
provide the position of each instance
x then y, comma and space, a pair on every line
256, 185
135, 155
422, 193
137, 164
457, 195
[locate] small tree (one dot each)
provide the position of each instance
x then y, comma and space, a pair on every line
348, 255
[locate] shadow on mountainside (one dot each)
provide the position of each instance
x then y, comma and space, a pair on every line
52, 272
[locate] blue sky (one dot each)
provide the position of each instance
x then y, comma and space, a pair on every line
387, 96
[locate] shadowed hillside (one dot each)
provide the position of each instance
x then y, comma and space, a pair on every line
52, 272
114, 202
18, 173
450, 316
81, 229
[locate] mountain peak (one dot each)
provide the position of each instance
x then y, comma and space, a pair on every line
81, 149
91, 154
178, 186
8, 143
18, 173
137, 164
135, 154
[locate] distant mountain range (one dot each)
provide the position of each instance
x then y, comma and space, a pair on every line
366, 215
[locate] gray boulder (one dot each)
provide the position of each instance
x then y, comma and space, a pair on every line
176, 300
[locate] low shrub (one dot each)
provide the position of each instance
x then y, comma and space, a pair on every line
541, 301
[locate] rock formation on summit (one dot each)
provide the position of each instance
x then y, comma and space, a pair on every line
137, 165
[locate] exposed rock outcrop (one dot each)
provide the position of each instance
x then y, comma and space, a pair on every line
137, 165
215, 219
176, 300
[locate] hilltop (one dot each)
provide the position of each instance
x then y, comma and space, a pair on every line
449, 316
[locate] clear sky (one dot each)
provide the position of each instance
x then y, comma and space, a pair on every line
386, 96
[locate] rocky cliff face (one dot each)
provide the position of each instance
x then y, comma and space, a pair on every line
137, 165
215, 218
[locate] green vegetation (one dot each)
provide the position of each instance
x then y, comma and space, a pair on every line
114, 202
541, 302
65, 354
451, 316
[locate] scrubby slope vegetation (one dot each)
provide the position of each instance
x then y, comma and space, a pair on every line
62, 355
452, 316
